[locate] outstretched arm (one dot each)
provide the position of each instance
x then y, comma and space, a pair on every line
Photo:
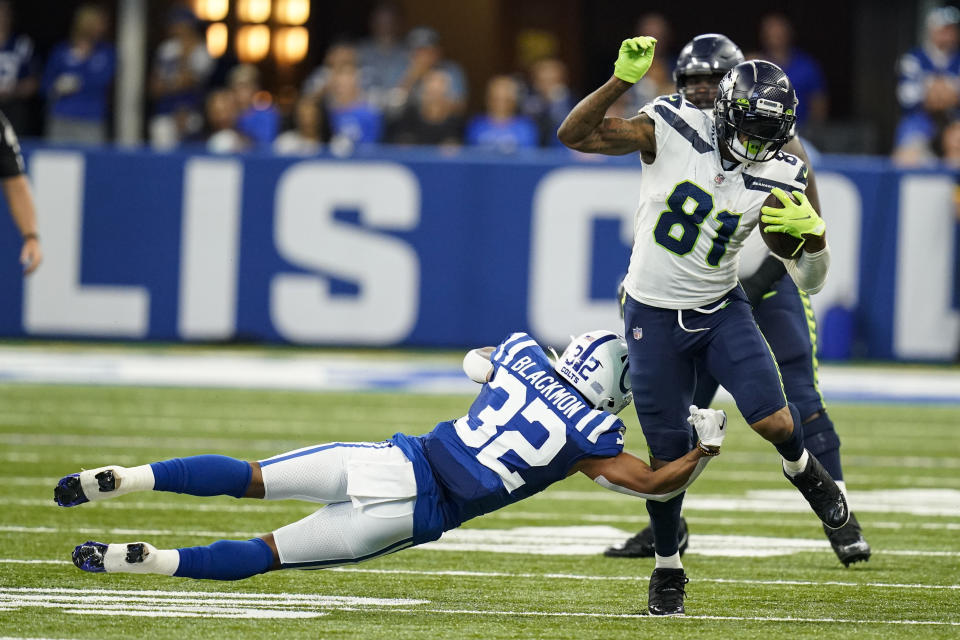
586, 129
628, 474
627, 471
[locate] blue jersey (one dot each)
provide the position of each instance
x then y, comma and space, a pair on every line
525, 430
917, 67
16, 61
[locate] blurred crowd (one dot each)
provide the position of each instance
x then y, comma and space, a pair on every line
928, 90
395, 86
398, 86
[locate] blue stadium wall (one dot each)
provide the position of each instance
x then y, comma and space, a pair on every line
420, 248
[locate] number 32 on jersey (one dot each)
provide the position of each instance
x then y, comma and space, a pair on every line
512, 439
678, 227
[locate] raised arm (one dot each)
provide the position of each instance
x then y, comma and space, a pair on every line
587, 129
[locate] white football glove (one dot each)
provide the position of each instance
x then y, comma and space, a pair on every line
711, 428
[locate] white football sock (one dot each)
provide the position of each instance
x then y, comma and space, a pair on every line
127, 481
669, 562
162, 561
793, 467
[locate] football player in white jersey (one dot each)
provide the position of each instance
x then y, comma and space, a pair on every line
782, 311
703, 190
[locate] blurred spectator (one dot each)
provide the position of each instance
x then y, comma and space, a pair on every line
352, 118
181, 68
950, 144
258, 119
938, 56
306, 136
222, 134
340, 54
383, 57
434, 120
549, 100
426, 54
77, 80
18, 73
658, 81
776, 42
500, 128
918, 137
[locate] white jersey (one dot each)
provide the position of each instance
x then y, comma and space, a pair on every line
694, 216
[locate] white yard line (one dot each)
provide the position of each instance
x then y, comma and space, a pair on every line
265, 605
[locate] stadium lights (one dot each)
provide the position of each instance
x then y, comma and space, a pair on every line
211, 10
253, 10
253, 42
217, 35
290, 45
292, 11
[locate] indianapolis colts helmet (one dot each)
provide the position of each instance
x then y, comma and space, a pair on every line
596, 364
756, 110
711, 55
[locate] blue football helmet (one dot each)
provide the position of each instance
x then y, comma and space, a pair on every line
707, 58
756, 110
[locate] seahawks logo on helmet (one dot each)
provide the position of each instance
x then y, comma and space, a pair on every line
756, 110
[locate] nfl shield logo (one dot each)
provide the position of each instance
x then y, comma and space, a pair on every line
637, 333
718, 178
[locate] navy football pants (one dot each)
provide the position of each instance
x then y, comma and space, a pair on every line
665, 358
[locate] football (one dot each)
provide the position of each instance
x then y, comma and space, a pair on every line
782, 244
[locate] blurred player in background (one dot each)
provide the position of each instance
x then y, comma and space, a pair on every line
16, 189
703, 185
533, 423
782, 312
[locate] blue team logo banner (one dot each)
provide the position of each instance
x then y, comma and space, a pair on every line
418, 248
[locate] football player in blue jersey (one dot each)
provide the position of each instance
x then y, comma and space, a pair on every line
533, 423
707, 180
782, 311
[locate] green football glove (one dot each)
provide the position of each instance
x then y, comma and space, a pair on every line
797, 220
636, 56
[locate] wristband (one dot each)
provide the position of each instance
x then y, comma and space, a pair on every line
707, 450
30, 236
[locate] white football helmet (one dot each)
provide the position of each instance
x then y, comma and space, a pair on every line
596, 364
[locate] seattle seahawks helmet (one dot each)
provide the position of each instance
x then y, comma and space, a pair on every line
756, 110
595, 363
708, 56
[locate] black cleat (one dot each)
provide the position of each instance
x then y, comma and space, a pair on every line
848, 542
822, 493
69, 492
106, 481
665, 597
136, 552
641, 545
89, 556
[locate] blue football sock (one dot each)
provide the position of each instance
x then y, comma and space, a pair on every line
821, 439
792, 448
225, 560
665, 521
207, 475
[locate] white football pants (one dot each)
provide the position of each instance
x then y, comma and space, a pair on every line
370, 490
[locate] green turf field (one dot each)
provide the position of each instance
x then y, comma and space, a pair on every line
902, 464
